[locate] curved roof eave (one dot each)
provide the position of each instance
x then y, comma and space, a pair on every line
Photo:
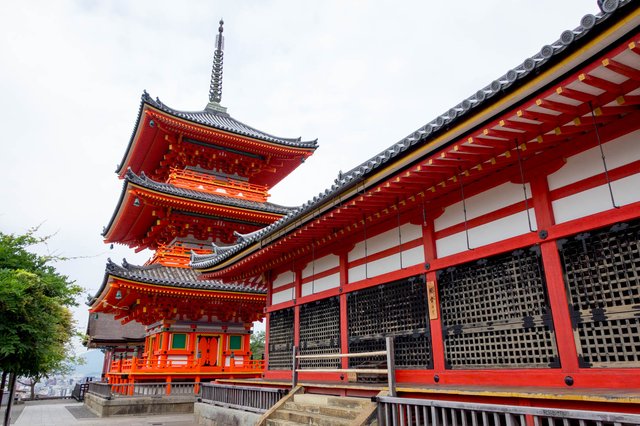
168, 189
214, 119
156, 274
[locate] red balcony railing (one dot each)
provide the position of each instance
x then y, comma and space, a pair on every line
162, 365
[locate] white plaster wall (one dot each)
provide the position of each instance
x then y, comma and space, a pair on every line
387, 264
618, 152
320, 265
480, 204
239, 361
321, 284
386, 240
177, 359
282, 296
498, 230
286, 277
596, 200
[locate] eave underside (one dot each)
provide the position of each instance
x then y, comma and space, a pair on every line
161, 141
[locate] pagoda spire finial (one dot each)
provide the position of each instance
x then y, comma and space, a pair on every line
215, 89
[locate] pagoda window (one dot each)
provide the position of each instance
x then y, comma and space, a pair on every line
178, 341
235, 343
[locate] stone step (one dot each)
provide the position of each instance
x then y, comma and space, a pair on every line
327, 410
280, 422
309, 418
330, 400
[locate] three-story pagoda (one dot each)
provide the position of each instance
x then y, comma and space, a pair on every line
193, 182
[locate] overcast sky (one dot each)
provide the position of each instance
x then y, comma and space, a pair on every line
357, 75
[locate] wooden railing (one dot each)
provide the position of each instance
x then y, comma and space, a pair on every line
247, 398
109, 391
100, 389
175, 254
79, 390
189, 179
410, 411
389, 371
130, 365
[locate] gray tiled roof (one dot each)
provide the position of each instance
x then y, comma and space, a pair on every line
498, 88
104, 327
170, 189
223, 121
169, 276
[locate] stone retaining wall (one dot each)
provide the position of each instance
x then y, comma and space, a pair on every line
139, 405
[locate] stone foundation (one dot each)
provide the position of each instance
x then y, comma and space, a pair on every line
211, 415
139, 405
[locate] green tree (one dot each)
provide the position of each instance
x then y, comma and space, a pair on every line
257, 344
36, 324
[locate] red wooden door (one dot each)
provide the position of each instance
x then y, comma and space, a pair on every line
208, 350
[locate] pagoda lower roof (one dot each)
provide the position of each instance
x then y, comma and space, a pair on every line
166, 276
256, 213
130, 292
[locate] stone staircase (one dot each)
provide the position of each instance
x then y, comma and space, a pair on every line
321, 410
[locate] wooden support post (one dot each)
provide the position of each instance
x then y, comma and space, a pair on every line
168, 385
435, 324
266, 343
558, 301
391, 366
344, 318
191, 347
294, 368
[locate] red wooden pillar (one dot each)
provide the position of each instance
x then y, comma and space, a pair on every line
224, 342
191, 347
266, 321
296, 312
108, 357
553, 273
344, 318
435, 324
165, 345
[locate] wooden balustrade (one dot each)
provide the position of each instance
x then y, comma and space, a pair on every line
189, 179
162, 364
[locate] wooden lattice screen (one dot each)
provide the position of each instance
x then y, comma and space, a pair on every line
320, 332
281, 339
602, 275
495, 313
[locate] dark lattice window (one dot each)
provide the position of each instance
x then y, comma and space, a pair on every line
396, 309
320, 332
495, 313
602, 275
281, 339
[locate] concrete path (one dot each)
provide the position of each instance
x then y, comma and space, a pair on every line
46, 413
